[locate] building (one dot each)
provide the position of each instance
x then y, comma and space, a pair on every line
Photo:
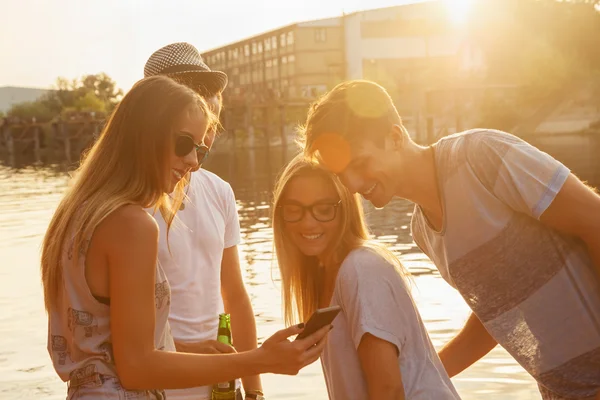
273, 76
10, 95
409, 49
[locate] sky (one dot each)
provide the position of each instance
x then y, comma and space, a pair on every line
41, 40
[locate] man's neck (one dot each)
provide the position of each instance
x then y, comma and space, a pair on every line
419, 183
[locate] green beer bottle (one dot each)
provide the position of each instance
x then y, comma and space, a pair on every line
224, 390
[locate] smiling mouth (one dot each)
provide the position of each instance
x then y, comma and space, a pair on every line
370, 190
177, 174
312, 237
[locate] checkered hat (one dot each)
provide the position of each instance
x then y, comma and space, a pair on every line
183, 62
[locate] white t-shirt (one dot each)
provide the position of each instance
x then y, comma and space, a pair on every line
375, 299
206, 226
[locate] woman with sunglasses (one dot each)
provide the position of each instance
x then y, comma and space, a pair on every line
106, 295
379, 348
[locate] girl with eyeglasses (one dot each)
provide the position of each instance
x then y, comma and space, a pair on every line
106, 295
379, 347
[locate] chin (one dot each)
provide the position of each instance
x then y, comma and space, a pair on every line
170, 187
380, 202
311, 252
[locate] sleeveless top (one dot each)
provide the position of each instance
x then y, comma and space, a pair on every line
79, 336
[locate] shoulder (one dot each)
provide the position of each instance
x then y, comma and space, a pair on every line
485, 151
366, 264
206, 183
475, 140
204, 177
126, 226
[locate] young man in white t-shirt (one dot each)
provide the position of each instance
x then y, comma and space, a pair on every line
506, 224
201, 259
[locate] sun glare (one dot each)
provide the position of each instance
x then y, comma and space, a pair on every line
458, 10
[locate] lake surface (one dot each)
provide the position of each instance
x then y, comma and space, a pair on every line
29, 195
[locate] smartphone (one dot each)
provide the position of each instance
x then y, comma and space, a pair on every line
320, 318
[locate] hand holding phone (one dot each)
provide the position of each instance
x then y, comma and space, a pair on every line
319, 319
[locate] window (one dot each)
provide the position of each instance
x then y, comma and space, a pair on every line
247, 50
267, 44
321, 35
260, 48
254, 48
235, 54
274, 42
291, 58
284, 60
268, 63
274, 62
268, 73
290, 38
282, 40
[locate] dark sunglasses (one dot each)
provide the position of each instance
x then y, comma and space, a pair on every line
322, 212
184, 144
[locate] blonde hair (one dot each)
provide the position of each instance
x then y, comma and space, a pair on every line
299, 273
357, 109
126, 165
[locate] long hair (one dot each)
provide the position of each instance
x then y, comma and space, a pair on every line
126, 165
300, 273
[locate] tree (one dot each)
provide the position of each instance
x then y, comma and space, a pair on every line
519, 36
103, 87
29, 110
92, 93
90, 102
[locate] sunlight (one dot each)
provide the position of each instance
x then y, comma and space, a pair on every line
458, 10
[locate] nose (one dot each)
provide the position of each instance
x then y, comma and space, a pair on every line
308, 221
191, 159
351, 180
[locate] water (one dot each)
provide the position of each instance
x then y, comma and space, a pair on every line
28, 196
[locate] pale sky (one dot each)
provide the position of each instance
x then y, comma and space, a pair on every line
41, 40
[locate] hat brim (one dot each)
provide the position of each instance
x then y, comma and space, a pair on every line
211, 82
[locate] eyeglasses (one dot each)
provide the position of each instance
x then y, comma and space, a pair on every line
322, 212
184, 144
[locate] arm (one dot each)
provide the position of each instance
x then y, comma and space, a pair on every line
576, 211
369, 290
379, 362
471, 344
129, 239
204, 347
237, 303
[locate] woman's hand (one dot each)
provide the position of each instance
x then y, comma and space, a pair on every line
280, 356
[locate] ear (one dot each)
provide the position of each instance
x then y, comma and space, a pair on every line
396, 138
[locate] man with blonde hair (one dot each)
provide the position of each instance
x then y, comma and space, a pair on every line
507, 225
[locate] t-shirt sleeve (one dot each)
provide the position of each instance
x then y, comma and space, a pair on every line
517, 173
232, 222
374, 298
